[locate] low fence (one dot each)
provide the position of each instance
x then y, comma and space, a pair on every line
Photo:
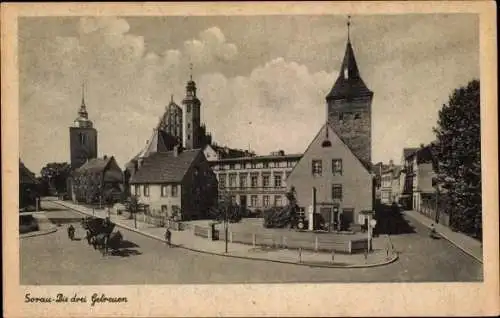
319, 243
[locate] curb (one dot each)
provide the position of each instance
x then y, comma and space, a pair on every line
38, 233
392, 260
461, 248
450, 240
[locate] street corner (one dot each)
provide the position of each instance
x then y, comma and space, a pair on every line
373, 260
314, 260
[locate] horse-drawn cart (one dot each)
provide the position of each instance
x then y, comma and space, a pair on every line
100, 234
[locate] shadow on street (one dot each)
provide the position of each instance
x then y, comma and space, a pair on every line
126, 252
52, 209
128, 244
390, 221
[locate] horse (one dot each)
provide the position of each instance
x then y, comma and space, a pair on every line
104, 241
99, 241
113, 241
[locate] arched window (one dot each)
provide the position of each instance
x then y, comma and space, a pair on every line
188, 108
82, 138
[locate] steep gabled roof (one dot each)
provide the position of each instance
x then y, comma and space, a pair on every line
349, 82
159, 141
367, 165
95, 165
25, 175
165, 167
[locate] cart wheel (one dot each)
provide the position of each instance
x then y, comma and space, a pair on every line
300, 225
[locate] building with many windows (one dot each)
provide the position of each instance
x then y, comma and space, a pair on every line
255, 182
390, 186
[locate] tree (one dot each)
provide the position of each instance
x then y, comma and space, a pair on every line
282, 216
226, 209
55, 175
458, 156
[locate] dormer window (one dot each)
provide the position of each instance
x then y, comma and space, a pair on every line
341, 116
357, 116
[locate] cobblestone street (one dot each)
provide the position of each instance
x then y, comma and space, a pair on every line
54, 259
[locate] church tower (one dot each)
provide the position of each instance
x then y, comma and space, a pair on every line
349, 106
191, 121
82, 137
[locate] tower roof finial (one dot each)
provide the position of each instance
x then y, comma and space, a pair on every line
191, 71
171, 98
83, 93
348, 28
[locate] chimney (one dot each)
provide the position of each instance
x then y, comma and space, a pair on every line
391, 163
139, 162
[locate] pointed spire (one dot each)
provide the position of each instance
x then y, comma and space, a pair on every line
349, 29
83, 108
83, 93
171, 98
191, 72
349, 82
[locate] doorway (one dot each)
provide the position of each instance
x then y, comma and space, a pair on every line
243, 201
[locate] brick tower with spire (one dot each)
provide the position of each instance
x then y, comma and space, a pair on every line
349, 106
82, 137
192, 138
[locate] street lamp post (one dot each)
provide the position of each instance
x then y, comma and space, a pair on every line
226, 226
371, 224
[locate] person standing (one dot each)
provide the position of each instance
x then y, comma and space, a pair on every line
168, 236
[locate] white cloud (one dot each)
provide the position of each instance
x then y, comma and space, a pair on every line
128, 88
211, 46
277, 104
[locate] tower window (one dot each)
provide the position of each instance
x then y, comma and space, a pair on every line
189, 125
83, 138
188, 108
189, 137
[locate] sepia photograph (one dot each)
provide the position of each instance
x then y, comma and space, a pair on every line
248, 149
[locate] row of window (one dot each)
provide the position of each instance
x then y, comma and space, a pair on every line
317, 167
265, 201
174, 209
278, 199
166, 190
256, 165
254, 180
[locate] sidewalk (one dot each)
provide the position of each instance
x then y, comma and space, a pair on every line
44, 225
465, 243
186, 239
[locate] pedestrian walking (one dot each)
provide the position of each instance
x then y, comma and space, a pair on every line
168, 237
71, 232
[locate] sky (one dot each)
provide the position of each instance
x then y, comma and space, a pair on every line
262, 80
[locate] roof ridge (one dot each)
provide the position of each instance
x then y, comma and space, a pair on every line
367, 165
